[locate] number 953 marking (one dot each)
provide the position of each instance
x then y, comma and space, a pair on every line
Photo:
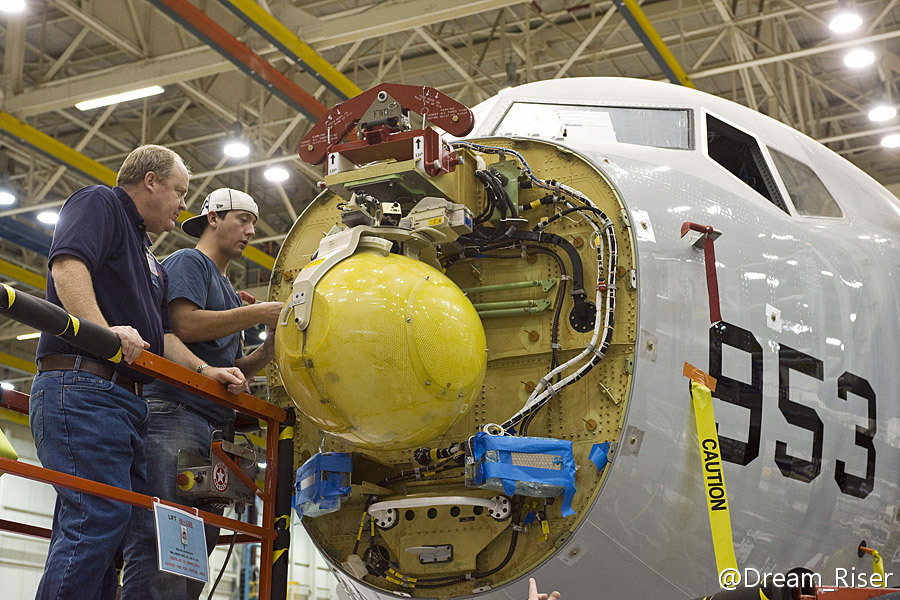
750, 396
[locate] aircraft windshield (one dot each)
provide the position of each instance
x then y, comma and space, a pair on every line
657, 127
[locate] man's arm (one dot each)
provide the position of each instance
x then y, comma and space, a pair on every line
176, 351
75, 289
251, 364
193, 324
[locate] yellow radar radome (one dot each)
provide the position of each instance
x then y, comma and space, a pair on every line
393, 354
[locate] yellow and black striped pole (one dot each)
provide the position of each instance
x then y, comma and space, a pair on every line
50, 318
284, 493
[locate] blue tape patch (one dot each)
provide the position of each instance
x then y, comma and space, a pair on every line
599, 455
322, 483
494, 467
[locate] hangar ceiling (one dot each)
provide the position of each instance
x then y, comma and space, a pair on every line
776, 56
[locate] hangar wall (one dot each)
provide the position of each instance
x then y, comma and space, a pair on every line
22, 557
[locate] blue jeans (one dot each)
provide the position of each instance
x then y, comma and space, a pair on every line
87, 426
173, 427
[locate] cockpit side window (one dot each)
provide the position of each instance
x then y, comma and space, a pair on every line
742, 156
809, 195
669, 128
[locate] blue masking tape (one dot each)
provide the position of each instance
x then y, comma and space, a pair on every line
599, 455
328, 471
508, 474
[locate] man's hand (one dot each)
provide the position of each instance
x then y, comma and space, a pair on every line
132, 344
230, 376
269, 312
533, 592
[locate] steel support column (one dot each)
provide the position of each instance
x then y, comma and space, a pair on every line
271, 28
645, 31
251, 63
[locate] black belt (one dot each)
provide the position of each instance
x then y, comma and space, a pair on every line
60, 362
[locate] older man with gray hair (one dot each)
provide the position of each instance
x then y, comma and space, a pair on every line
88, 416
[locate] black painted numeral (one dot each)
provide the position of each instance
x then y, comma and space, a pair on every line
851, 484
739, 393
799, 415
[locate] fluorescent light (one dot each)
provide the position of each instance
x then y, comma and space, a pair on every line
276, 174
891, 141
236, 149
6, 198
123, 97
48, 217
7, 385
859, 58
12, 6
845, 22
29, 336
882, 112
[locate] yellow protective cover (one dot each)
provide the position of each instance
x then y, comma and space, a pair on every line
6, 449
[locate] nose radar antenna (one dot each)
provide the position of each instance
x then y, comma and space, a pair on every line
380, 118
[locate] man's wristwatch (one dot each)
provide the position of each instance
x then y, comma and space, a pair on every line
201, 367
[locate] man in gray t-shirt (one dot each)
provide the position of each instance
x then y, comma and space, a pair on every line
206, 313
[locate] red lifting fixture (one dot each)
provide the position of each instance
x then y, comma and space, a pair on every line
381, 116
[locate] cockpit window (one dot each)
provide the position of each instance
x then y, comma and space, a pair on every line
809, 195
741, 154
657, 127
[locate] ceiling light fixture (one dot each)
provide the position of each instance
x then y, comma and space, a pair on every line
236, 149
882, 112
263, 335
116, 98
845, 21
29, 336
891, 141
7, 385
6, 198
12, 6
276, 174
48, 217
859, 58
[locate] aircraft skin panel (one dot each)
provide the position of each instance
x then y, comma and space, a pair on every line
804, 355
819, 277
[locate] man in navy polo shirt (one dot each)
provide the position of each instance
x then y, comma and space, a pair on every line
207, 315
87, 415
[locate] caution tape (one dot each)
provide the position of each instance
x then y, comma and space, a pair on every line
713, 476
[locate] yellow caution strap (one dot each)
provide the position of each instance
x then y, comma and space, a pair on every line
711, 468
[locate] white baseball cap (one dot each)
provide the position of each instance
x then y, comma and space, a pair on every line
219, 200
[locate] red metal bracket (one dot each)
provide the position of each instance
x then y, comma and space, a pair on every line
709, 254
236, 469
438, 108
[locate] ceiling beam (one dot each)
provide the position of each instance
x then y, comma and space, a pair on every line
768, 60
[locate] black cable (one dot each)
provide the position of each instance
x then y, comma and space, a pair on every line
554, 330
222, 570
436, 582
